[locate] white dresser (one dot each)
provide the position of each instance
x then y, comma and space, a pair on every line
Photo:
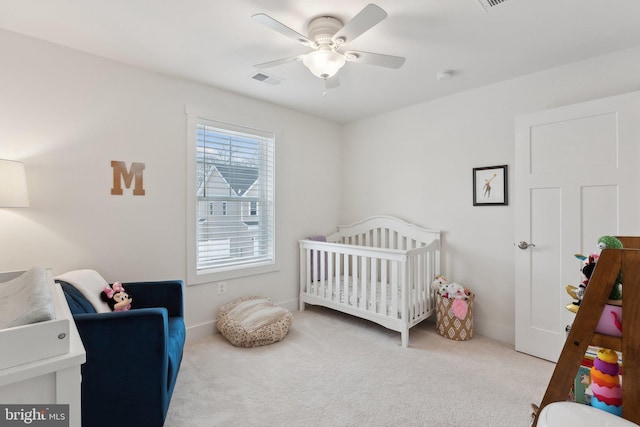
40, 363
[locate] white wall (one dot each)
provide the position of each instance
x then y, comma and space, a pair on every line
417, 163
67, 114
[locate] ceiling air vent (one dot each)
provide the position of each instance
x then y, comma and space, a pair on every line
265, 78
489, 4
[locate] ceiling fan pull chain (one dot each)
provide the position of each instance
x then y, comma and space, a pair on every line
324, 92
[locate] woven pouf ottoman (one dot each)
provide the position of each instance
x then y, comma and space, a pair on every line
253, 321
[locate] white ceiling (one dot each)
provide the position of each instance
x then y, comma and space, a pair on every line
216, 42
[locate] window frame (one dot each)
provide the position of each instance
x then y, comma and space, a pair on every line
197, 116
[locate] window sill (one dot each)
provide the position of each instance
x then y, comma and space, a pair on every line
232, 273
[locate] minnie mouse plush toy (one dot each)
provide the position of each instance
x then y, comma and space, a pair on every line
116, 297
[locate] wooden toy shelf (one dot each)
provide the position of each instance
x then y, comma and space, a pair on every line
582, 333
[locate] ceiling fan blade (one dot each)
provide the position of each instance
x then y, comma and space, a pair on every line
388, 61
359, 24
268, 21
278, 62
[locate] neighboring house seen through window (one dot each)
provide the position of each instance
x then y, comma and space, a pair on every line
234, 197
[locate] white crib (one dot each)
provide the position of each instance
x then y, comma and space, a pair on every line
379, 269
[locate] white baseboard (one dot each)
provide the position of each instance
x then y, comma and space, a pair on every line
291, 305
496, 332
200, 331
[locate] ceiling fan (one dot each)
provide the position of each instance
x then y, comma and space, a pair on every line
327, 36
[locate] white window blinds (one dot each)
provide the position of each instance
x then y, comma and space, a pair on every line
234, 197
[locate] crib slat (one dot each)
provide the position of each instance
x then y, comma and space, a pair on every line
363, 282
329, 259
402, 300
307, 286
321, 264
345, 293
322, 284
423, 283
434, 261
374, 285
416, 295
428, 274
412, 291
394, 289
336, 296
354, 274
383, 286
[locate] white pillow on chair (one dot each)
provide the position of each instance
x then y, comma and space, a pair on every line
90, 283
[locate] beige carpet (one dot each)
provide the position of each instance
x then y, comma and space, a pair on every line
334, 370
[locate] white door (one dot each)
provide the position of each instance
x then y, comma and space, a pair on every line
576, 179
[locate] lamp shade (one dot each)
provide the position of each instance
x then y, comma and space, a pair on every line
13, 185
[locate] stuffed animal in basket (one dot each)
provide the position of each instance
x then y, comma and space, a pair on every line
449, 290
457, 293
459, 296
116, 297
589, 265
439, 283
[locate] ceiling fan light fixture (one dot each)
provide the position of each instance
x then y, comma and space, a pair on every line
324, 62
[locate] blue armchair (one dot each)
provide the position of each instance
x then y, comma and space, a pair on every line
133, 357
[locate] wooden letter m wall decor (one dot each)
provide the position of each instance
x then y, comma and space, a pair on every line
120, 173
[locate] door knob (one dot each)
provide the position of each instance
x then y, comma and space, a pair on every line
525, 245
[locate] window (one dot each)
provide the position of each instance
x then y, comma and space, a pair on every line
234, 168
